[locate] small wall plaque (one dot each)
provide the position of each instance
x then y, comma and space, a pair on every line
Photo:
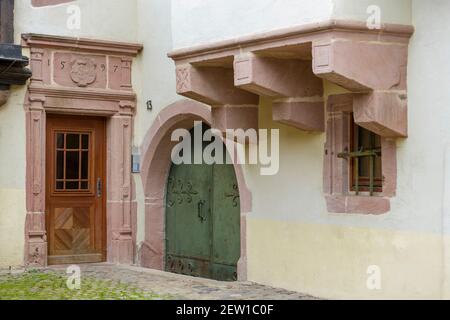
135, 163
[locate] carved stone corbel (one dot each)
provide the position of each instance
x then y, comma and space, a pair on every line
375, 68
308, 116
232, 108
212, 86
235, 117
287, 64
276, 78
384, 113
361, 66
284, 78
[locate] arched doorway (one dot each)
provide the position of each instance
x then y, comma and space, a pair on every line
156, 165
203, 218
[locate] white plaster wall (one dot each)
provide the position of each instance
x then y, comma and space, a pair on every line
429, 75
100, 19
154, 71
12, 179
197, 22
154, 79
12, 141
392, 11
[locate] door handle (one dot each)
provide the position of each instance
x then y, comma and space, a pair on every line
99, 187
201, 204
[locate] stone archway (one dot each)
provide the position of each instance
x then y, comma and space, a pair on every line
156, 163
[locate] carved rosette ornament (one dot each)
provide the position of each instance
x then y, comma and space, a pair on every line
84, 71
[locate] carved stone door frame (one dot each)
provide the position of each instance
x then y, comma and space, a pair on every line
81, 77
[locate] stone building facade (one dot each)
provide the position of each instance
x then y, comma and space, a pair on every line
355, 89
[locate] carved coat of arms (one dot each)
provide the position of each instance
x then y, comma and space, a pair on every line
84, 71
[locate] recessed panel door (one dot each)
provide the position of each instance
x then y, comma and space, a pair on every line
75, 197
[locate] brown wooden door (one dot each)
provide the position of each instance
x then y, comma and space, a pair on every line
75, 192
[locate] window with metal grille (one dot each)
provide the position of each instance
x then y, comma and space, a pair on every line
364, 160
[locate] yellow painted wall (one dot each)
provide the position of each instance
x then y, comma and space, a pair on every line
332, 261
12, 227
12, 179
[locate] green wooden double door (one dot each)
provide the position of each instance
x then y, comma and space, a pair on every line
203, 221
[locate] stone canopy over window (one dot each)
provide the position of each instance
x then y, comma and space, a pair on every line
288, 65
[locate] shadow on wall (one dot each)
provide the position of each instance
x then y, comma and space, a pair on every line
44, 3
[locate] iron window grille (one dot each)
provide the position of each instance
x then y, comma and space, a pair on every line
364, 160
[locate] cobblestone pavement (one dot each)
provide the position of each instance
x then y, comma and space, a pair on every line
181, 287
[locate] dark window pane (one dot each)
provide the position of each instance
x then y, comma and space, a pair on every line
378, 171
59, 185
72, 141
60, 140
60, 165
72, 165
72, 185
85, 141
377, 141
84, 185
365, 141
364, 165
84, 164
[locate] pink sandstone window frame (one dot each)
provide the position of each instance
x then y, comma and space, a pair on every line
337, 189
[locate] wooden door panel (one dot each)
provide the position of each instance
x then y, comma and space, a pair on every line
75, 211
226, 247
203, 221
187, 217
191, 211
72, 230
